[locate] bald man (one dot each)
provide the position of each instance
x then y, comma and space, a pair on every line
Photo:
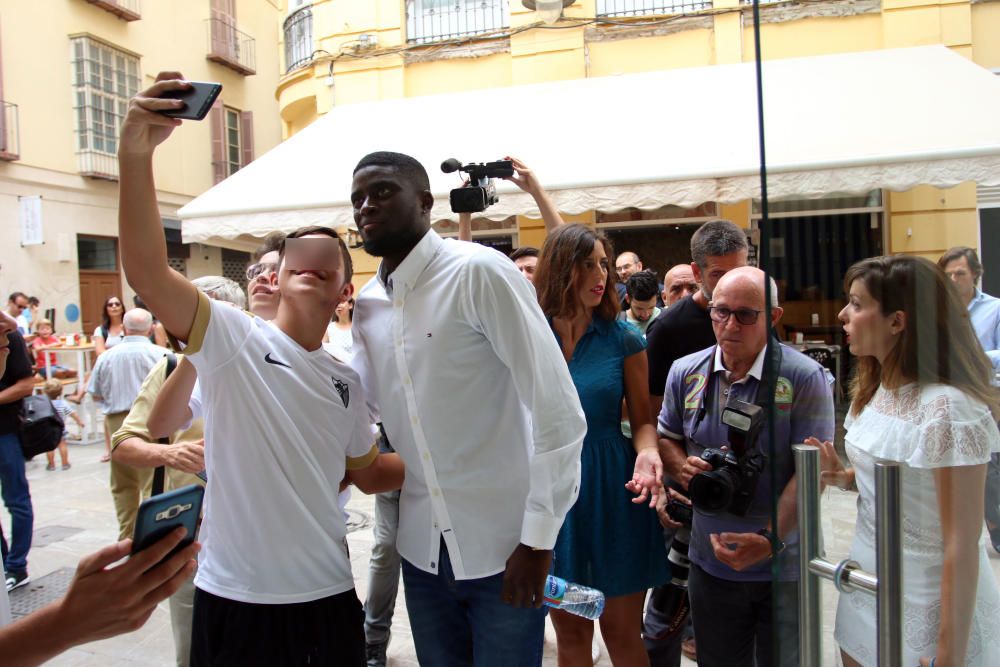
678, 283
734, 601
116, 381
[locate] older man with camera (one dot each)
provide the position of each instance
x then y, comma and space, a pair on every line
715, 442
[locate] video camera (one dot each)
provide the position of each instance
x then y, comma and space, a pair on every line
480, 193
732, 482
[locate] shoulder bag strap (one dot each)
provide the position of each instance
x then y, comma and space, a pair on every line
160, 472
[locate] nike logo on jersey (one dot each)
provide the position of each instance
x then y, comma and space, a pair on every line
343, 390
271, 360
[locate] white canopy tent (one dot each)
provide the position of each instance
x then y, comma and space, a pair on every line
843, 123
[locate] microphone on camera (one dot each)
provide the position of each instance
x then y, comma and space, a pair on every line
450, 165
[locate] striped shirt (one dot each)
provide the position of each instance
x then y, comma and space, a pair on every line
65, 410
119, 372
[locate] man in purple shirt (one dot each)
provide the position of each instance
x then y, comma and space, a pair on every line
731, 587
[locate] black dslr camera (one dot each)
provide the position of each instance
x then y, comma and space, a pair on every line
732, 482
481, 192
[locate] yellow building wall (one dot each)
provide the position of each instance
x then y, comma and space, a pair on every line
927, 220
985, 21
37, 76
923, 221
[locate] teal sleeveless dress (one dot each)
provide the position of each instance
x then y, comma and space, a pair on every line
607, 542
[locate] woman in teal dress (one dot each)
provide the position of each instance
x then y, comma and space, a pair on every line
611, 539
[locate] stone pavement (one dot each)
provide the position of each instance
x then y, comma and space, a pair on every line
74, 516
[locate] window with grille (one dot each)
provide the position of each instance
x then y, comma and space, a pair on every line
232, 141
178, 264
430, 21
647, 7
298, 39
234, 266
104, 78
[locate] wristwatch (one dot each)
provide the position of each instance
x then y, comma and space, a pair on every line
777, 546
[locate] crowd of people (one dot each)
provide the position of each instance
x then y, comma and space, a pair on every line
517, 417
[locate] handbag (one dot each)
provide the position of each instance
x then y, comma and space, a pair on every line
41, 426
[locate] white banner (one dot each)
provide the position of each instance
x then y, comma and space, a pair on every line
31, 220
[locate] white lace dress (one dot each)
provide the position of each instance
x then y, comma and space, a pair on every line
924, 428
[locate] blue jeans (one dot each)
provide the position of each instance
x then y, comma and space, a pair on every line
456, 623
17, 498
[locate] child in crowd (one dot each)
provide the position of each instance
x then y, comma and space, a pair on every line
53, 389
43, 341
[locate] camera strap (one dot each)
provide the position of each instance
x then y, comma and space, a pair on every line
763, 397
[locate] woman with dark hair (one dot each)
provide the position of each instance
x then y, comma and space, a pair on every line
609, 540
921, 396
110, 332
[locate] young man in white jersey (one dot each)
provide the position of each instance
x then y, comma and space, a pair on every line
284, 423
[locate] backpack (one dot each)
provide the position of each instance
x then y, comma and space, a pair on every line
41, 426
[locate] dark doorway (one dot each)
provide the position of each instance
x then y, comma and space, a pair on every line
989, 233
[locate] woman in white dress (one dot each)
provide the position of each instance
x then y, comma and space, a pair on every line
338, 340
921, 395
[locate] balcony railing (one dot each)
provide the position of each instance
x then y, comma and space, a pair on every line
429, 21
231, 48
98, 164
298, 39
10, 133
127, 10
626, 8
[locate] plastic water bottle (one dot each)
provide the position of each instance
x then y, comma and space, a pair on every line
574, 598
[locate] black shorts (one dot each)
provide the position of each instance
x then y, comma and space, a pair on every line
328, 631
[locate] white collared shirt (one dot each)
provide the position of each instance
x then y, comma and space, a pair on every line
119, 372
756, 371
474, 394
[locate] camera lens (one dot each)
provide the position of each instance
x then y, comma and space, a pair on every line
712, 491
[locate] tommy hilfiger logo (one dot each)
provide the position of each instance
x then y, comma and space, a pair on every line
343, 390
271, 360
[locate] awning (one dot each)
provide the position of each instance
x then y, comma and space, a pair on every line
844, 123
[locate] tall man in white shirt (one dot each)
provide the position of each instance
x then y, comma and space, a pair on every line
474, 394
116, 381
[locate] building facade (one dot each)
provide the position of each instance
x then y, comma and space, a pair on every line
68, 70
337, 52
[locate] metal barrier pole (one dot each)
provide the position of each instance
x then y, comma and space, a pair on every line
847, 577
810, 600
889, 563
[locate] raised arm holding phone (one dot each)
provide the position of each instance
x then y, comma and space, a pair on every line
253, 604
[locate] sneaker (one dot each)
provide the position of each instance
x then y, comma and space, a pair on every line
375, 654
689, 649
66, 466
50, 466
17, 579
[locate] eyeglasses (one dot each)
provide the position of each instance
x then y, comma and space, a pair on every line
114, 303
20, 306
744, 316
256, 270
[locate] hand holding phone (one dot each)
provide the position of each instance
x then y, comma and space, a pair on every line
198, 99
163, 513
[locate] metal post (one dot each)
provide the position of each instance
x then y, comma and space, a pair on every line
889, 563
810, 601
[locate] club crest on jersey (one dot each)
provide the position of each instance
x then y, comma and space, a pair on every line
343, 390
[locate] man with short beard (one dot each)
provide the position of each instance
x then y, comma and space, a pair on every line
474, 394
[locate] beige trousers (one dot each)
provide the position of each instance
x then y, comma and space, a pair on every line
129, 486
